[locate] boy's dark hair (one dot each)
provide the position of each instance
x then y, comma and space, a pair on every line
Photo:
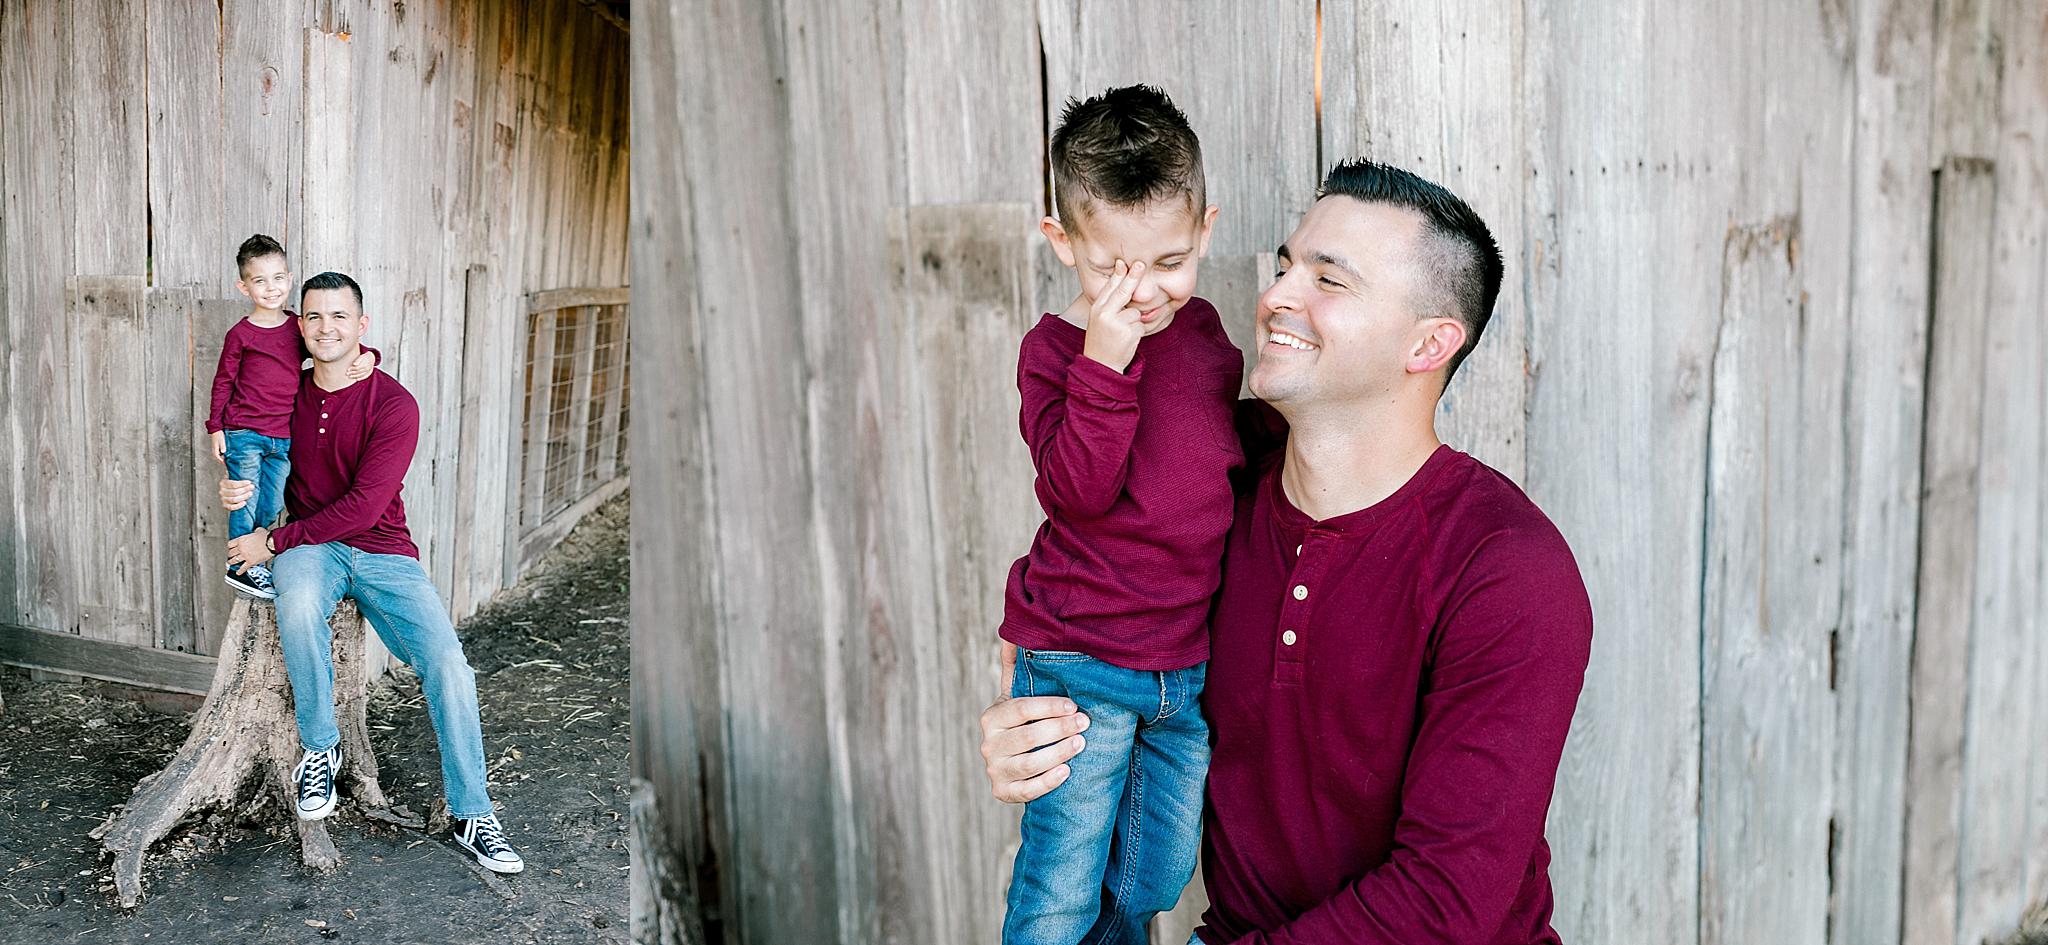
1459, 260
254, 248
331, 280
1128, 147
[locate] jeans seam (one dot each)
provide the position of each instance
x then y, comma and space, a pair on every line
1166, 705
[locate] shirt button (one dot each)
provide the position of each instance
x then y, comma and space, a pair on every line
1297, 548
1287, 638
324, 416
1297, 596
1300, 590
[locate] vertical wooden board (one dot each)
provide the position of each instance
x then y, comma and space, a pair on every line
1887, 392
263, 68
846, 184
1773, 553
168, 320
1429, 88
330, 135
583, 388
1617, 424
11, 531
113, 514
1996, 798
503, 314
470, 459
678, 699
1243, 73
110, 179
212, 598
970, 277
1965, 195
971, 126
38, 150
784, 879
187, 193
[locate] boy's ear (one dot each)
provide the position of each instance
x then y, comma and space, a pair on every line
1057, 236
1208, 226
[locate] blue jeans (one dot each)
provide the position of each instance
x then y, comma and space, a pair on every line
1117, 841
265, 461
400, 601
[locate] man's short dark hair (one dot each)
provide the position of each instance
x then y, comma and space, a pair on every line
254, 248
1129, 147
331, 280
1460, 263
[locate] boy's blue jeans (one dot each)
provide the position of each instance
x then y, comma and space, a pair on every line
396, 595
265, 461
1117, 841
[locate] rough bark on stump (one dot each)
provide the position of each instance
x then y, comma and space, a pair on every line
245, 732
665, 902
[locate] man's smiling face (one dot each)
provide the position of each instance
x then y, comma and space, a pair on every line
1338, 323
332, 323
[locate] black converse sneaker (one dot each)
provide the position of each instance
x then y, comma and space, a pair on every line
314, 777
485, 837
252, 581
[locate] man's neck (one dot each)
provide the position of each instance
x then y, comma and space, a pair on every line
1339, 462
333, 375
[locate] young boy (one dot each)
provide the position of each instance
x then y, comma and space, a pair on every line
253, 391
1127, 406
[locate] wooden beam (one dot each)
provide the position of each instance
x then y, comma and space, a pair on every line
115, 662
571, 298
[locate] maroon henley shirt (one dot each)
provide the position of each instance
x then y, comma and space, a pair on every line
1389, 692
350, 450
1134, 477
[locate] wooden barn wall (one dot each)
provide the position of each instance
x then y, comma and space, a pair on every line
452, 156
1770, 353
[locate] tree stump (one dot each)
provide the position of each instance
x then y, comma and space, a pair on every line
245, 732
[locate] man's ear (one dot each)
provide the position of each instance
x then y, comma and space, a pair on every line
1438, 342
1056, 235
1208, 226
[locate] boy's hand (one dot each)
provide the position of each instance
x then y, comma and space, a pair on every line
219, 438
361, 367
235, 493
253, 548
1113, 326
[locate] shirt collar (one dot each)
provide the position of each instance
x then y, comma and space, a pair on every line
1365, 520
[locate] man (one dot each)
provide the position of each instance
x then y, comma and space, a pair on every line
352, 441
1400, 637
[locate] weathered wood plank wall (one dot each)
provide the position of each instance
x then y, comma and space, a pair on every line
452, 156
1770, 353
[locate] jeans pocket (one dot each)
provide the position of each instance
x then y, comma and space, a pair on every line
1054, 656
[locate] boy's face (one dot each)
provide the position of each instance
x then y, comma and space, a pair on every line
1168, 237
332, 324
266, 281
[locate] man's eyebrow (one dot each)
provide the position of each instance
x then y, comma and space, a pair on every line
1329, 260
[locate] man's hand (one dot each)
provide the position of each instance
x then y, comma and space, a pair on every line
219, 438
235, 493
253, 548
1113, 325
1012, 728
361, 367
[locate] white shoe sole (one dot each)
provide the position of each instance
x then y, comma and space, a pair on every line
497, 867
319, 813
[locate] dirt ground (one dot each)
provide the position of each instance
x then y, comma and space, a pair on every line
551, 661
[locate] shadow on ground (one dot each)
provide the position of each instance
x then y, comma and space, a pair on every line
551, 661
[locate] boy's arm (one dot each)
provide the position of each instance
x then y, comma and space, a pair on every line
1506, 676
1079, 419
224, 382
394, 433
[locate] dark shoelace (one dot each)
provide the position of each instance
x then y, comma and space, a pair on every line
490, 837
319, 771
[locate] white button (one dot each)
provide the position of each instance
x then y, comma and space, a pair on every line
324, 416
1287, 638
1297, 548
1300, 590
1296, 596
